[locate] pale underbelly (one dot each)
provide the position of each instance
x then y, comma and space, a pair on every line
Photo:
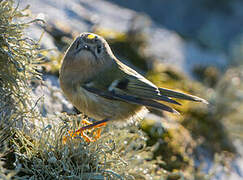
101, 108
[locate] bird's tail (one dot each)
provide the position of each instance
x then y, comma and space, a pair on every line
179, 95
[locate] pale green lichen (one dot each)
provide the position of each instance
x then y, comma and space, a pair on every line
18, 62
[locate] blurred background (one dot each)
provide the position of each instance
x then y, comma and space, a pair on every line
192, 46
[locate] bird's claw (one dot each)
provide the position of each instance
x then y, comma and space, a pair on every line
94, 132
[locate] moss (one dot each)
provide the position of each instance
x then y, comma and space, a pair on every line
173, 144
228, 97
208, 75
202, 123
199, 119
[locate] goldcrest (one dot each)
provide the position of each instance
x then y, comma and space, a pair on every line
103, 88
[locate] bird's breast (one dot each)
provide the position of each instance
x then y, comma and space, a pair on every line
101, 108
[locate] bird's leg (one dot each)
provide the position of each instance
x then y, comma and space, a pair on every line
90, 125
94, 125
86, 122
83, 134
95, 134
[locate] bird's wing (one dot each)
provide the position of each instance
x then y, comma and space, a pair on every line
116, 84
112, 95
125, 84
132, 83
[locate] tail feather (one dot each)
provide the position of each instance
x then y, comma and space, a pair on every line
179, 95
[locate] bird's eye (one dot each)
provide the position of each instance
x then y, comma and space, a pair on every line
99, 48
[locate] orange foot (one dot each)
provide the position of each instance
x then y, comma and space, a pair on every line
91, 128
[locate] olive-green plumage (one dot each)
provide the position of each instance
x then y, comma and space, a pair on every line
102, 87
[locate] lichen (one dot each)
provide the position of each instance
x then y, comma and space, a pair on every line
18, 62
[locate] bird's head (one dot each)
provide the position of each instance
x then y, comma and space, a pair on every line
89, 49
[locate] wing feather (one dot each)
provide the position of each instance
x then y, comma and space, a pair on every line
130, 99
139, 86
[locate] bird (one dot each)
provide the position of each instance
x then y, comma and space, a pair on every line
102, 87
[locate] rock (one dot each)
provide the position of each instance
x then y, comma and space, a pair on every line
214, 23
168, 47
50, 100
163, 45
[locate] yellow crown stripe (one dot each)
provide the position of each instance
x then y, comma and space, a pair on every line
91, 36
